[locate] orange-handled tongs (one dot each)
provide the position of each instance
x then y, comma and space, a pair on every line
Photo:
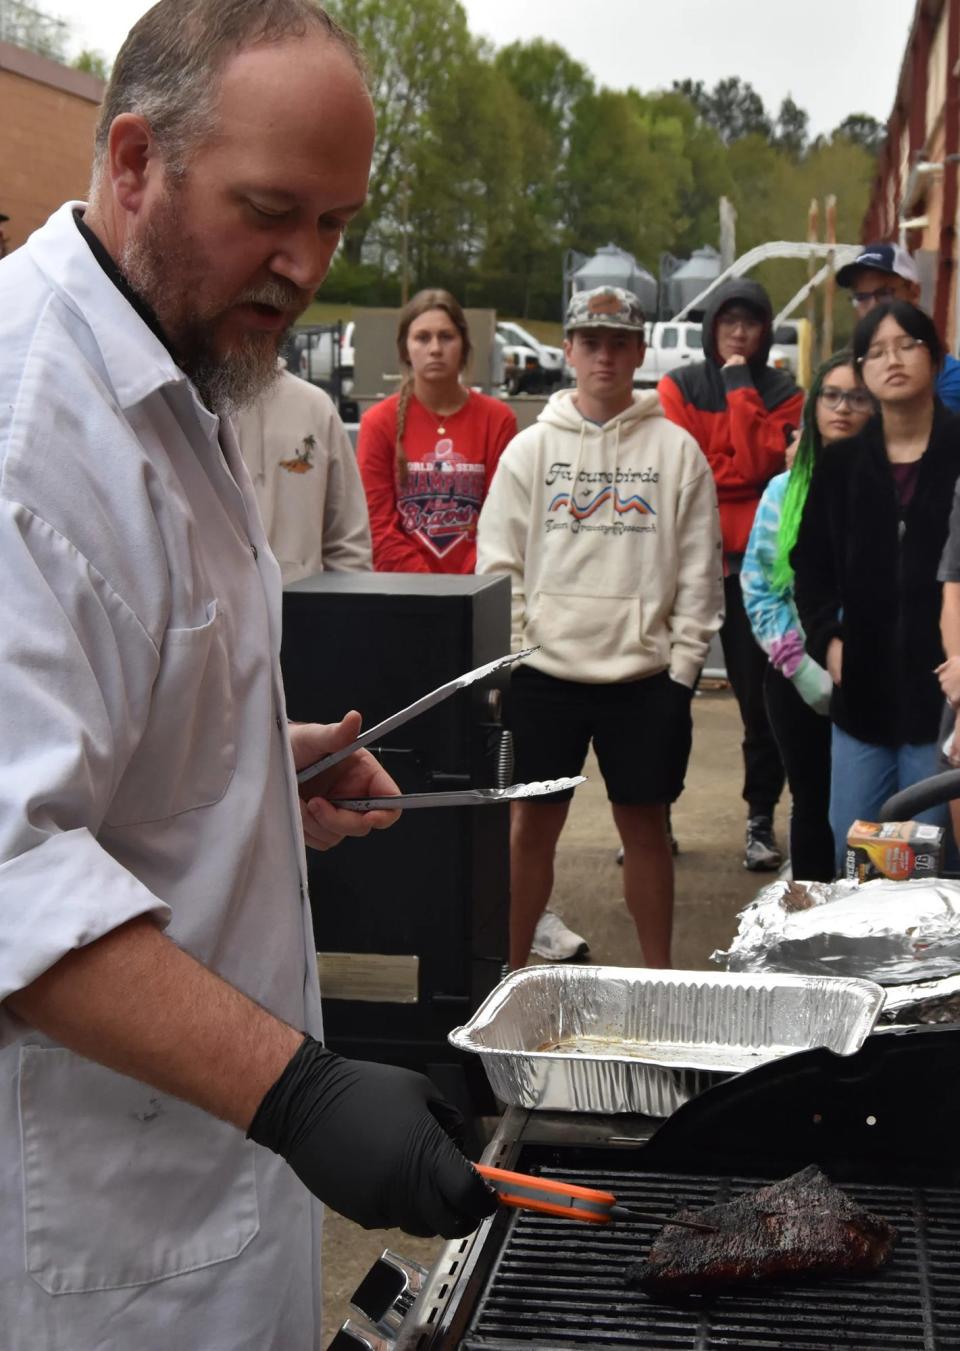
568, 1201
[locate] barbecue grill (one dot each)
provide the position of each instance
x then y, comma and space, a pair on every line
884, 1124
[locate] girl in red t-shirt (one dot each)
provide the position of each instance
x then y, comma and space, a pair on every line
428, 454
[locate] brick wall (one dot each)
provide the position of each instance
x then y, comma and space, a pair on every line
47, 117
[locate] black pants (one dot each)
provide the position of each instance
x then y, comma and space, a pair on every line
804, 740
746, 662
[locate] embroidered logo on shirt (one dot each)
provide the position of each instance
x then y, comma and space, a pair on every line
303, 459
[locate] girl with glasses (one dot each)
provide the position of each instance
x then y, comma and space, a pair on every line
866, 559
796, 688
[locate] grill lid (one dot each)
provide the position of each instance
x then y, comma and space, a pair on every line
891, 1110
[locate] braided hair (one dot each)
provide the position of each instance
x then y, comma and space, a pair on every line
808, 453
431, 299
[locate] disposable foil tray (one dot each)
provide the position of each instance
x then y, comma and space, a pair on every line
616, 1039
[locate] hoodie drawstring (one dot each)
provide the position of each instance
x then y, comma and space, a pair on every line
612, 499
571, 503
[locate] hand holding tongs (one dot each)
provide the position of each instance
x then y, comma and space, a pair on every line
568, 1201
396, 720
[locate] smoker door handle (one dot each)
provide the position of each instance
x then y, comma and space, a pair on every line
932, 792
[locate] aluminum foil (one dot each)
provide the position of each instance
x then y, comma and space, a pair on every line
891, 932
926, 1001
615, 1039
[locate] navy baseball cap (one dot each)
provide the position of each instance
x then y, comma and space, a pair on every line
891, 258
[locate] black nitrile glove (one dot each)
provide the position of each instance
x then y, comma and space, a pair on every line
364, 1138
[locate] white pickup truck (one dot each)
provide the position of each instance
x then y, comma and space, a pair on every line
670, 343
529, 365
677, 342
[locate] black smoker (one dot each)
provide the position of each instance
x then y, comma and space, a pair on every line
412, 921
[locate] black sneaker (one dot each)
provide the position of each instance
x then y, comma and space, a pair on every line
762, 853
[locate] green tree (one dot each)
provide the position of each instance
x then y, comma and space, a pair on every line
93, 62
708, 180
522, 264
862, 130
548, 80
732, 107
624, 175
490, 164
792, 129
415, 52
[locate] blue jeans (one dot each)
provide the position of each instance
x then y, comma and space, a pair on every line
863, 776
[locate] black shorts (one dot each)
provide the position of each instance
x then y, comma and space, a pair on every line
641, 731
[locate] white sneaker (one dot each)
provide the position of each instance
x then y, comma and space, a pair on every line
554, 941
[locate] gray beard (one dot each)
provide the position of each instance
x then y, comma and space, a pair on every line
163, 266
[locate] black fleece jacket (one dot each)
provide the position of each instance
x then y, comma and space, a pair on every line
867, 576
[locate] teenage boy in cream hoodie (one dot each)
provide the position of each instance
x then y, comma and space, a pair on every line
604, 516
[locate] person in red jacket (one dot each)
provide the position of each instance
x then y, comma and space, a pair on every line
742, 414
428, 454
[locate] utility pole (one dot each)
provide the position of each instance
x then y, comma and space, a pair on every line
404, 244
830, 237
728, 233
813, 234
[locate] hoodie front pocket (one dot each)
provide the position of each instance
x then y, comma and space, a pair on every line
582, 632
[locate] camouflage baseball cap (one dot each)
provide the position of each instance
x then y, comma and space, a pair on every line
604, 307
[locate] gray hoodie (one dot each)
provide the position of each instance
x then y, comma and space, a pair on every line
611, 539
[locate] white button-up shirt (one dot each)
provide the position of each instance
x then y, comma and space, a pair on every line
145, 768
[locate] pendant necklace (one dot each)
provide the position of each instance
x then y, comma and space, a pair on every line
442, 421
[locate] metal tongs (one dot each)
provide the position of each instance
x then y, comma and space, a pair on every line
568, 1201
460, 798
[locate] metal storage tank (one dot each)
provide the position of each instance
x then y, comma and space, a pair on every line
692, 277
611, 266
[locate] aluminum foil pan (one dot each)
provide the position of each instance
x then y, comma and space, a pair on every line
891, 932
615, 1039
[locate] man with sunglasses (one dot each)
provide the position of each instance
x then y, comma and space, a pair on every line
742, 413
883, 272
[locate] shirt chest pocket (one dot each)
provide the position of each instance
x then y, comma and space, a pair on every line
187, 754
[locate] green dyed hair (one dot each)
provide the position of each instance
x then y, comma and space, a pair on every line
808, 453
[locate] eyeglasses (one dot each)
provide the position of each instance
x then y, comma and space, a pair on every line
905, 348
740, 319
857, 400
861, 299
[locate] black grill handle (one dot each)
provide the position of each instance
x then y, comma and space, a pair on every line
919, 797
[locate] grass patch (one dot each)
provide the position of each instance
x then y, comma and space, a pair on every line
324, 312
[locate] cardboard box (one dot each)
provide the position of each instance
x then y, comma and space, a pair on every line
893, 849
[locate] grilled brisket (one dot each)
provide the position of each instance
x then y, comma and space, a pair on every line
801, 1227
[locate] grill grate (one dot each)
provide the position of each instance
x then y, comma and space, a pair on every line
557, 1285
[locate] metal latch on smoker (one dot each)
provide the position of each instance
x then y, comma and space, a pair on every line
387, 1292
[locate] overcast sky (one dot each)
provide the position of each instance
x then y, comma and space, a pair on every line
833, 56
